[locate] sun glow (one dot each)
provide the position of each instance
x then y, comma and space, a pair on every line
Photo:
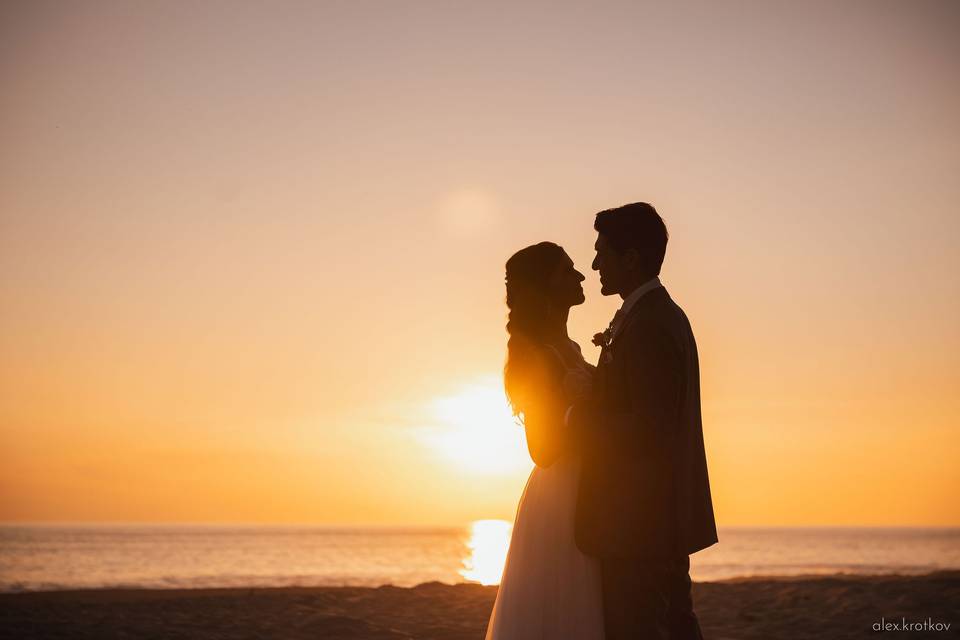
489, 542
475, 430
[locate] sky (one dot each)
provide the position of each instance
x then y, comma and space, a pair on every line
251, 254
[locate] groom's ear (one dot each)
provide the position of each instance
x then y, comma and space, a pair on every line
638, 262
631, 259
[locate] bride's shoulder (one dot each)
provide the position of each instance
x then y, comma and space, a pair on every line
566, 354
581, 360
537, 355
552, 357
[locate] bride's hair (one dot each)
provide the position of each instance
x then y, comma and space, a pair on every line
528, 273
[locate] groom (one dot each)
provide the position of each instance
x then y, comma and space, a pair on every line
644, 499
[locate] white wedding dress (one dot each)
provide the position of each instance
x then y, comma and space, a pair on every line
549, 589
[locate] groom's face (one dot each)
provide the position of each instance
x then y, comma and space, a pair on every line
609, 262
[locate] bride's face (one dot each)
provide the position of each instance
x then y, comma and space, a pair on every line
565, 288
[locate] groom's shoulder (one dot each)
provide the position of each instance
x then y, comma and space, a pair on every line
675, 319
665, 314
662, 306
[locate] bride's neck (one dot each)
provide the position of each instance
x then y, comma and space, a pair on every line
555, 330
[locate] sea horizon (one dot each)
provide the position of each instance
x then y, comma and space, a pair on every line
403, 526
96, 555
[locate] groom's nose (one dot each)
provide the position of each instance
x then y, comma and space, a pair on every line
595, 265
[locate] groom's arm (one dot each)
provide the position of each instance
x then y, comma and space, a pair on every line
653, 374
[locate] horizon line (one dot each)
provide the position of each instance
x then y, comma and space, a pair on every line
420, 526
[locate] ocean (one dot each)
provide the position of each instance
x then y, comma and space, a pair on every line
58, 557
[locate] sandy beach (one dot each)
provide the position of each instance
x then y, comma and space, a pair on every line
761, 608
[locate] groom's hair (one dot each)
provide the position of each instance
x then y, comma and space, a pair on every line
635, 226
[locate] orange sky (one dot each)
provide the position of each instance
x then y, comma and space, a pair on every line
251, 254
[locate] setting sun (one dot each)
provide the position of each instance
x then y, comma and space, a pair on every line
489, 542
475, 430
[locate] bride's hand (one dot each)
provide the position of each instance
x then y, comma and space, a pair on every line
576, 385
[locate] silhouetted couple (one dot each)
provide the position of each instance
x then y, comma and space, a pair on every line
619, 497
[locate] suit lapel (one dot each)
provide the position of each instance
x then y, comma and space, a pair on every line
637, 311
608, 353
607, 367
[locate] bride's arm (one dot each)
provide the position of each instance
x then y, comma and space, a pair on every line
543, 437
543, 413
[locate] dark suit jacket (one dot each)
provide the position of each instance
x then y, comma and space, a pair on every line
644, 491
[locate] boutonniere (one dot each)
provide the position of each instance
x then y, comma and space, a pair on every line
603, 338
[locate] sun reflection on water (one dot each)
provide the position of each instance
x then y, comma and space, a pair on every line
488, 544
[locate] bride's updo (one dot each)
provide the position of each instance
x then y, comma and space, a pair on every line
528, 273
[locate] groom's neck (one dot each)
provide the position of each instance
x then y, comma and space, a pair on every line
633, 286
628, 290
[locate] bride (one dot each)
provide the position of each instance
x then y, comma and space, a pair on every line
549, 588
